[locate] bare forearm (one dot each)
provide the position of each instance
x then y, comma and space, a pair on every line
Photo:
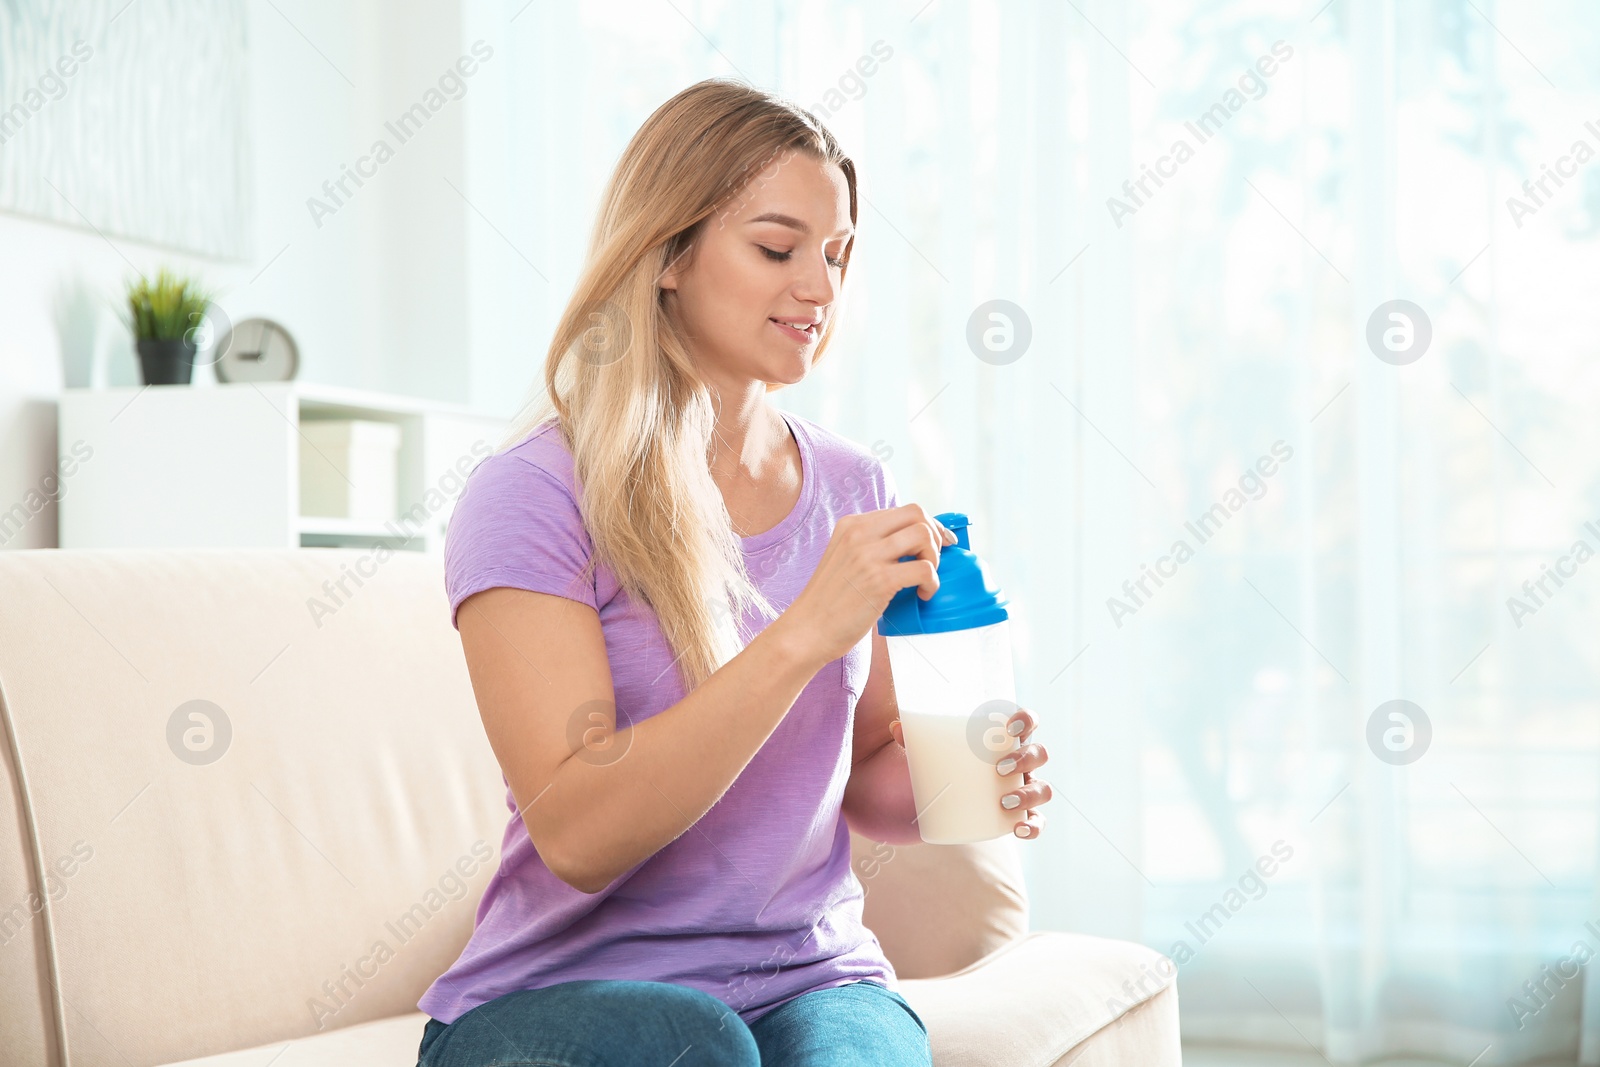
666, 772
878, 800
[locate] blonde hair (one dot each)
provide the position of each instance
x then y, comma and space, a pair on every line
619, 379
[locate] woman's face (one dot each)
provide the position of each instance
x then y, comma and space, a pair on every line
772, 252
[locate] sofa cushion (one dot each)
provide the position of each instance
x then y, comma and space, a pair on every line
1034, 1001
384, 1043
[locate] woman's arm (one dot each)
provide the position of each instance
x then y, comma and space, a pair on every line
596, 800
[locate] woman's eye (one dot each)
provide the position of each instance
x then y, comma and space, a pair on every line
782, 257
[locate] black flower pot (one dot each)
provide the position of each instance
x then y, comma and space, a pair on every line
166, 361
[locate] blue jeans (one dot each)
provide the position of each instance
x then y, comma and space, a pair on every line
615, 1023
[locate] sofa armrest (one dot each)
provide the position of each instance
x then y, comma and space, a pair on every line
1034, 1002
937, 908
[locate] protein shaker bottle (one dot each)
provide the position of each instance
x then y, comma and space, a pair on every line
951, 659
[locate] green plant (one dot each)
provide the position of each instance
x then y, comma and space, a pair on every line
166, 308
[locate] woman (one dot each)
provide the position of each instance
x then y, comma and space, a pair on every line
667, 592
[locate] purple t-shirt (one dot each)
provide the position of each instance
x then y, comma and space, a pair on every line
756, 903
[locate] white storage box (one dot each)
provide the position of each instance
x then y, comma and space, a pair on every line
348, 469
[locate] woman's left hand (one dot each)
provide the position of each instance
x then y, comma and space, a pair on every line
1031, 791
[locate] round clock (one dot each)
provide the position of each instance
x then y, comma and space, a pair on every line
257, 350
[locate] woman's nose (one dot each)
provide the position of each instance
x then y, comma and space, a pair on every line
816, 284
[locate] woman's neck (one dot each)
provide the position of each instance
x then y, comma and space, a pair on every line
756, 465
749, 432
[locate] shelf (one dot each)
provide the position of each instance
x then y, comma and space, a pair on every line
218, 465
332, 527
318, 531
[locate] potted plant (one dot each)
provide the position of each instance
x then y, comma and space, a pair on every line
164, 315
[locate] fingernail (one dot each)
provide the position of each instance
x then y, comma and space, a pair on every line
1010, 800
1016, 727
1006, 766
1024, 831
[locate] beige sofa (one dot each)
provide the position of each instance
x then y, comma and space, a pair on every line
288, 900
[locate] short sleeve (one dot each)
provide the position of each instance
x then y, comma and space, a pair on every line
516, 525
889, 494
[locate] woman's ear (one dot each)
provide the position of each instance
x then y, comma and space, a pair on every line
680, 263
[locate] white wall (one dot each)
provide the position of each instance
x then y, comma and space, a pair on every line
376, 296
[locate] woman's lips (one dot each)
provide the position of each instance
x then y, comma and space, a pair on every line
803, 336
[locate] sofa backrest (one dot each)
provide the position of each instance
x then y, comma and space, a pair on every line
245, 796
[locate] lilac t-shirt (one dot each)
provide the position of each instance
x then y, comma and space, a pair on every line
756, 903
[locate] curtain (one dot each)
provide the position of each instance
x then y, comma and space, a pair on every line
1266, 381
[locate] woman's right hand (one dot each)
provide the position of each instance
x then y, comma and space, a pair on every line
860, 571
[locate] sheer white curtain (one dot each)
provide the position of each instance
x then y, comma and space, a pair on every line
1232, 532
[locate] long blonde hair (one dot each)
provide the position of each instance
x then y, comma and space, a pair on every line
620, 381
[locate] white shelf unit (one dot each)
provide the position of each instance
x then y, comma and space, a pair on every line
183, 466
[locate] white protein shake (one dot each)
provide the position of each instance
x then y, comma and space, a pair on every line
957, 791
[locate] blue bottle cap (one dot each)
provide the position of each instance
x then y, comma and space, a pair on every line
968, 596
